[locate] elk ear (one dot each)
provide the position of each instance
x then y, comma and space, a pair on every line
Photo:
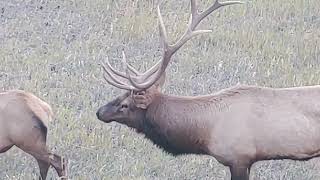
160, 82
142, 100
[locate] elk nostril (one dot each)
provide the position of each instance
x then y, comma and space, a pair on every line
124, 106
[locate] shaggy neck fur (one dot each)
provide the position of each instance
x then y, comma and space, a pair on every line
178, 129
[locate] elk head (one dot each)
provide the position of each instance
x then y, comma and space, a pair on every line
143, 88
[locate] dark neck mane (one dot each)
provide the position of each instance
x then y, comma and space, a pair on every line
152, 132
166, 137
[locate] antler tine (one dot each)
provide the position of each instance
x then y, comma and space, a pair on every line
162, 30
113, 78
133, 70
112, 74
119, 73
148, 73
114, 71
120, 86
152, 70
128, 68
125, 65
131, 79
195, 19
194, 10
212, 8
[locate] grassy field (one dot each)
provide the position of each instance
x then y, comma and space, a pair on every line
53, 48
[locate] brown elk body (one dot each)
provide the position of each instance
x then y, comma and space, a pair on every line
24, 122
238, 126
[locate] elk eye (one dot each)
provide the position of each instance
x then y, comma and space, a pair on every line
124, 106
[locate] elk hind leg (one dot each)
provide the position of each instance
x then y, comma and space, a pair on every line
5, 145
44, 167
33, 142
45, 159
239, 172
59, 164
36, 147
5, 149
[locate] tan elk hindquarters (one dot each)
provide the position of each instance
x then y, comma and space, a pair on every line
24, 120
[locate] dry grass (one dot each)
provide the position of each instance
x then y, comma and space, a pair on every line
53, 49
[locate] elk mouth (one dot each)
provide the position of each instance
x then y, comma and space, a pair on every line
102, 117
106, 121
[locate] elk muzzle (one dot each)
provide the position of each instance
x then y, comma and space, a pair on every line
105, 114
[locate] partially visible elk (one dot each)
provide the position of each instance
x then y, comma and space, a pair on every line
24, 122
238, 126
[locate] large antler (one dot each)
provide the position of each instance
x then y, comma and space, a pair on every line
142, 81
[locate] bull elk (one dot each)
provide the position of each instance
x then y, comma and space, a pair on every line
238, 126
24, 122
